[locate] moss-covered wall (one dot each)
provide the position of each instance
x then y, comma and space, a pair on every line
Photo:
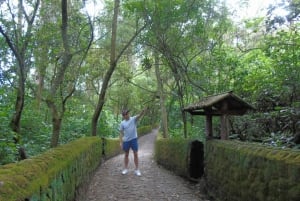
111, 147
172, 154
60, 174
56, 175
143, 130
237, 171
184, 157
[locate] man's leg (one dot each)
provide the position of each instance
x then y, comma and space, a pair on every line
136, 162
136, 159
126, 159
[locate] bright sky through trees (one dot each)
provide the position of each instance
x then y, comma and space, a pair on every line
243, 9
94, 7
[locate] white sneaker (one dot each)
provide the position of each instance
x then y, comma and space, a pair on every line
137, 173
125, 171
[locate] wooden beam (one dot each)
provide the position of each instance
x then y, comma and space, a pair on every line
218, 113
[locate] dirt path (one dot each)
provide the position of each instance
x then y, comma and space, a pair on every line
155, 184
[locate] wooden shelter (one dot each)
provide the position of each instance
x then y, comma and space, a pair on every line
222, 105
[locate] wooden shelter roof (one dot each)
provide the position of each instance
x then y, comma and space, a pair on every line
225, 103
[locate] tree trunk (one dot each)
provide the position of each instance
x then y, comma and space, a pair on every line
56, 123
19, 105
18, 45
57, 116
180, 92
162, 98
179, 80
40, 87
113, 64
183, 113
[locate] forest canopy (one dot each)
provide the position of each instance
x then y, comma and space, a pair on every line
68, 69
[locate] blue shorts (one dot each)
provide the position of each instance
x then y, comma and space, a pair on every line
133, 144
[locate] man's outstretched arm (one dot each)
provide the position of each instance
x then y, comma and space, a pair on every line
141, 114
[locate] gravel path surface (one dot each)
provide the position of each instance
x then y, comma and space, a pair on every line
155, 184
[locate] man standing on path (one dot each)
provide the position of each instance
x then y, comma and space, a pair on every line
128, 139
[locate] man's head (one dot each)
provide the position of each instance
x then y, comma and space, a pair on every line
125, 114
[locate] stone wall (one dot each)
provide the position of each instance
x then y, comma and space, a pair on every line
237, 171
182, 156
60, 174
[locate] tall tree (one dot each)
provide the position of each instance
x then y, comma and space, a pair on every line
114, 58
58, 79
18, 37
62, 83
111, 69
181, 32
162, 97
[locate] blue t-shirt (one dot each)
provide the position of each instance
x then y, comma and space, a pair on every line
129, 128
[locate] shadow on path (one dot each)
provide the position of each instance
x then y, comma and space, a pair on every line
155, 184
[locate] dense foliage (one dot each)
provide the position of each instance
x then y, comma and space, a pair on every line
62, 63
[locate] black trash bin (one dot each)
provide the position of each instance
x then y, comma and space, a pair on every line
196, 160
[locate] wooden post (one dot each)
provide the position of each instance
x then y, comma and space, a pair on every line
224, 121
224, 127
208, 127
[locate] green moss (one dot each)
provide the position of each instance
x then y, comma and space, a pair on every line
294, 193
294, 173
261, 172
112, 147
172, 154
26, 178
144, 130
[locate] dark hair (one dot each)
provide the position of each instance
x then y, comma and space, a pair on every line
124, 112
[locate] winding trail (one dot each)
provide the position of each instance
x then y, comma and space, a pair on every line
155, 184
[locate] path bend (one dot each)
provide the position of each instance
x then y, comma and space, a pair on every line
155, 184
